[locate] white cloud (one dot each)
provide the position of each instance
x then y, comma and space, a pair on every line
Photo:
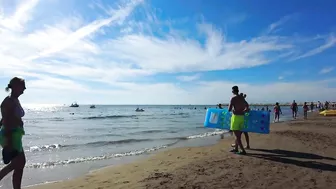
169, 93
177, 55
189, 78
326, 70
281, 77
21, 16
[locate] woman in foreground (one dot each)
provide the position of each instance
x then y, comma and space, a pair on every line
11, 132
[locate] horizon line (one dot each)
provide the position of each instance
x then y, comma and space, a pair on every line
52, 104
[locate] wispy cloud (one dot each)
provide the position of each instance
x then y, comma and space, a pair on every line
274, 27
116, 16
20, 17
329, 43
188, 78
327, 70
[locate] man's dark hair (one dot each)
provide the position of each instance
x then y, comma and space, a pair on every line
235, 89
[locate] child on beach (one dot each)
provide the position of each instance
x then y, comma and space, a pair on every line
305, 110
238, 106
277, 111
220, 107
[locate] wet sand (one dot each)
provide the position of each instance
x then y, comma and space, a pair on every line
296, 154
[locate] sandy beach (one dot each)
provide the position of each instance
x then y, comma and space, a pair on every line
296, 154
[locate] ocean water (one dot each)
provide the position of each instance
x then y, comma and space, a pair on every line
62, 142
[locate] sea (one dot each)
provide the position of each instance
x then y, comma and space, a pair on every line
63, 142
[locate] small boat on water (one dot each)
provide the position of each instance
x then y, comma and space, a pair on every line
92, 106
139, 110
74, 105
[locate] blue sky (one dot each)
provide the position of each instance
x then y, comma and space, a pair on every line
168, 52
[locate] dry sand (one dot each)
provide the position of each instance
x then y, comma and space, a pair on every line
296, 154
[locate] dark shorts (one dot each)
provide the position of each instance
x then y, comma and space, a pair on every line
9, 155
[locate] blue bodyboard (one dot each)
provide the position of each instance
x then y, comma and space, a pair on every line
254, 122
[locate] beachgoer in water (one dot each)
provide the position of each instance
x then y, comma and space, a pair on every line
319, 105
11, 132
311, 106
277, 112
305, 110
238, 106
326, 105
294, 108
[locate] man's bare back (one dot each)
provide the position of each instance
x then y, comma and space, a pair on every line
239, 105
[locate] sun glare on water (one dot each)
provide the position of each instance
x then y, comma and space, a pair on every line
42, 107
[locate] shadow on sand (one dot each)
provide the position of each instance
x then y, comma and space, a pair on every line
283, 156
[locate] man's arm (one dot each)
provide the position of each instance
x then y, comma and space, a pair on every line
247, 106
231, 105
6, 111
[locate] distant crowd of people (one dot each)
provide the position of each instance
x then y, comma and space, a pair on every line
305, 107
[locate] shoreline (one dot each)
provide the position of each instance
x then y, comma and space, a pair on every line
109, 163
163, 165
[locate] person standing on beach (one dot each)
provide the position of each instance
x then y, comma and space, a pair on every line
277, 111
247, 138
11, 132
238, 106
294, 108
305, 110
220, 107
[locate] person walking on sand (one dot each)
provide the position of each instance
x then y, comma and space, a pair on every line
238, 106
277, 111
11, 132
305, 110
247, 138
294, 108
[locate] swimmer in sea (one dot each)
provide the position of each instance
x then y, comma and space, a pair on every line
238, 106
305, 110
11, 132
294, 108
